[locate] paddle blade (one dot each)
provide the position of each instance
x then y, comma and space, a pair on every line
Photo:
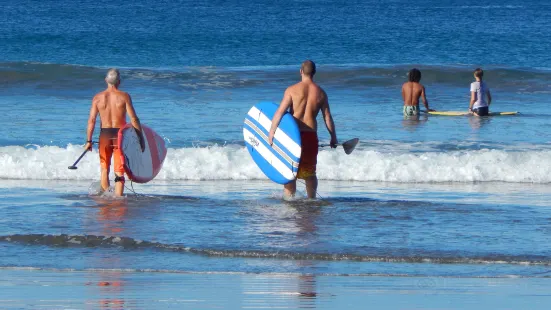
350, 145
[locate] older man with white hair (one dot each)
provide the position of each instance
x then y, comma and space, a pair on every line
112, 105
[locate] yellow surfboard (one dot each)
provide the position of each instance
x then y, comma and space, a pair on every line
463, 113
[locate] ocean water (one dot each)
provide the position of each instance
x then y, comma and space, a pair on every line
434, 197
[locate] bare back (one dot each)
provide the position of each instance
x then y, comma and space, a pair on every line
112, 107
411, 92
307, 100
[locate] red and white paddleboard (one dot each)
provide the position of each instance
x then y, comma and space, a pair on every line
141, 167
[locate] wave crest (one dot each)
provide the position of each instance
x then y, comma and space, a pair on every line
232, 162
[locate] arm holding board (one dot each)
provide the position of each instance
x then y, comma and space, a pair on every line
283, 107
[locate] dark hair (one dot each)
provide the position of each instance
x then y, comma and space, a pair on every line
478, 72
414, 75
308, 68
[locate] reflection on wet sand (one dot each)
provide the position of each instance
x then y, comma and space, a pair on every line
111, 214
110, 287
111, 290
306, 221
476, 122
412, 123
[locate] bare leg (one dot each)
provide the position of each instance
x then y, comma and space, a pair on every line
312, 186
119, 186
290, 189
104, 178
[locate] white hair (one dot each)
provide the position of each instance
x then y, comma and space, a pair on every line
113, 76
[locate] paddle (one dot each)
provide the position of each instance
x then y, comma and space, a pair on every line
348, 146
74, 166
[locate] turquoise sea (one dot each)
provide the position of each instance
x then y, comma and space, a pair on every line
435, 207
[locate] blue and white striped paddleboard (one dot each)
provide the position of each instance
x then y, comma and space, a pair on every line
280, 161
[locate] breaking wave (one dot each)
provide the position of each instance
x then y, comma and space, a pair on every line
232, 162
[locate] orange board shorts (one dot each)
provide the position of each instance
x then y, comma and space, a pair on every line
108, 147
308, 155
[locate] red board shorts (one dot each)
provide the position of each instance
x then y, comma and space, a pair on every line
108, 147
308, 155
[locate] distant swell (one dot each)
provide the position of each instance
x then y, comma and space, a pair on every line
91, 241
232, 162
45, 76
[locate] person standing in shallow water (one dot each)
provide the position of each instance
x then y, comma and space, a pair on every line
305, 100
112, 106
480, 95
412, 90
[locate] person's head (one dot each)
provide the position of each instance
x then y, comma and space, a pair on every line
308, 68
414, 75
478, 73
113, 77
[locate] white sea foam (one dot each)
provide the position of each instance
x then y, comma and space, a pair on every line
234, 163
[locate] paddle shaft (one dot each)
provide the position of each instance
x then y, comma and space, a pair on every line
340, 144
80, 157
325, 145
348, 146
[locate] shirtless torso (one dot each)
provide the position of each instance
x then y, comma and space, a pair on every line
307, 99
411, 92
112, 105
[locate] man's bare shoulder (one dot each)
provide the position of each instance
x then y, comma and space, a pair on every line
120, 95
99, 96
118, 92
295, 87
125, 95
318, 90
106, 94
322, 91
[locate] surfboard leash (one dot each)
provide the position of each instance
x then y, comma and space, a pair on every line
304, 183
132, 188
